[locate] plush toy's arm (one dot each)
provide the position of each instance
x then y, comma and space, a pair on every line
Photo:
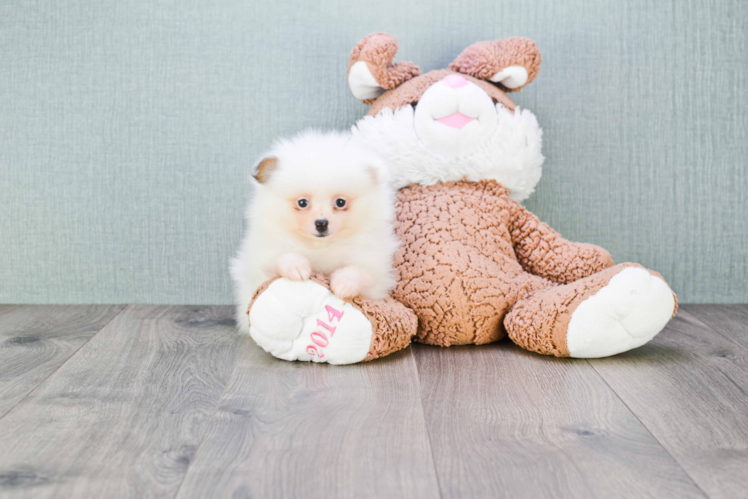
543, 252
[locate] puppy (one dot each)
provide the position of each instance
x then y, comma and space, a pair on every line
323, 204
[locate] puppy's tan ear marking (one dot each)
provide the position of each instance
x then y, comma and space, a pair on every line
377, 172
265, 168
373, 173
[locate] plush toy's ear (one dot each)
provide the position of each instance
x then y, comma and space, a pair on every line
262, 171
513, 62
370, 68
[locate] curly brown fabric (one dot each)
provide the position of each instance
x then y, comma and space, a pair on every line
539, 322
393, 324
377, 51
543, 252
484, 59
470, 256
456, 265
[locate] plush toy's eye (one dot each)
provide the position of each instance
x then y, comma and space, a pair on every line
340, 203
302, 203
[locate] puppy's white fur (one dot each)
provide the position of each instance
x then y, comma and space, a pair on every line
280, 239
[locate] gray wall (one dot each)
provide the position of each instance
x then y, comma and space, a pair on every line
127, 129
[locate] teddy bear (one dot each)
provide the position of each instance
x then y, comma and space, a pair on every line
474, 265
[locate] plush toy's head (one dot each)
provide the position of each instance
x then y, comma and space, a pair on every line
450, 124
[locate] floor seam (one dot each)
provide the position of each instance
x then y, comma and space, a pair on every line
649, 431
425, 424
210, 422
64, 362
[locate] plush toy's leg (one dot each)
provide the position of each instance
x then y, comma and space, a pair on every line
615, 310
303, 320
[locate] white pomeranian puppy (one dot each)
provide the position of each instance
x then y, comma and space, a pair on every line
323, 204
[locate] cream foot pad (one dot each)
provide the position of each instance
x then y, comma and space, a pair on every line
624, 314
304, 321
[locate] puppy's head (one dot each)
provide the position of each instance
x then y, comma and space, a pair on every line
321, 186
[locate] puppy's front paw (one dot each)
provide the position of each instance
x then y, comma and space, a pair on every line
347, 282
294, 267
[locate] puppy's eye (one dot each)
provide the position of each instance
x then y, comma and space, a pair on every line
340, 203
302, 203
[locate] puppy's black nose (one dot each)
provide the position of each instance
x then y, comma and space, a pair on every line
321, 225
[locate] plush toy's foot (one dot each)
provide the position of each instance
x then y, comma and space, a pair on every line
624, 314
610, 312
303, 320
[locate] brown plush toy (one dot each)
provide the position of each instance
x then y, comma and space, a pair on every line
474, 264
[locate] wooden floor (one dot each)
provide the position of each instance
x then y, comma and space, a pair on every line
169, 401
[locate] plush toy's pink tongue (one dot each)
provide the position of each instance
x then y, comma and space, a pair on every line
456, 120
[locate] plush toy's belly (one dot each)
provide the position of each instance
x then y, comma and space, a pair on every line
456, 267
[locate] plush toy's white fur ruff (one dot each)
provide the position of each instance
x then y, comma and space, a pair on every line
512, 156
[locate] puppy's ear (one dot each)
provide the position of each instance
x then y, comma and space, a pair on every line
264, 169
378, 172
370, 68
512, 63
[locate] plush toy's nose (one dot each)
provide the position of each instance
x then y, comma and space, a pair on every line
455, 81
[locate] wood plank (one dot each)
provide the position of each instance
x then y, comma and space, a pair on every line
689, 387
305, 430
509, 423
729, 320
124, 416
36, 340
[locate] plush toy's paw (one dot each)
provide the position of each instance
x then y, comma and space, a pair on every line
303, 320
624, 314
294, 267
